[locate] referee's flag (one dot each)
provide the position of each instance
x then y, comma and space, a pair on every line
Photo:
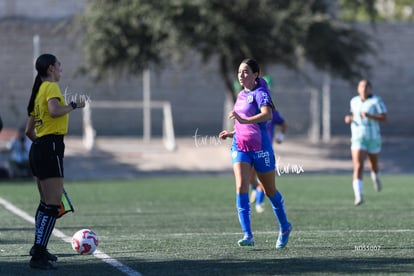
65, 205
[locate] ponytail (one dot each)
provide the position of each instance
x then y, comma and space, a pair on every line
42, 64
38, 81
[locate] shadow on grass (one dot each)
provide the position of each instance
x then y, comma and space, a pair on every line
291, 266
83, 268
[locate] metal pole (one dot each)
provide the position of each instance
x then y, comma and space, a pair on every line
146, 80
326, 107
36, 52
315, 125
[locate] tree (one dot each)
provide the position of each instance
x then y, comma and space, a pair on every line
131, 34
377, 10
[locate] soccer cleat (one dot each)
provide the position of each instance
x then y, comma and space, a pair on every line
41, 263
283, 238
246, 241
358, 201
252, 198
40, 260
377, 184
259, 208
49, 255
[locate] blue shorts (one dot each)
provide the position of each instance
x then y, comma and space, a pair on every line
263, 160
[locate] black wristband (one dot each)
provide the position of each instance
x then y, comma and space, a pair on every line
74, 105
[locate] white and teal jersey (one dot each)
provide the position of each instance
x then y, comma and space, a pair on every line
366, 128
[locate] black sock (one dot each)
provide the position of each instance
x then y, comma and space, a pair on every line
40, 208
45, 223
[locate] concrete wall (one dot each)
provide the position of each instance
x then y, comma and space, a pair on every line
194, 89
40, 9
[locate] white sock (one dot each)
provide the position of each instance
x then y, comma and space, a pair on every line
357, 185
374, 176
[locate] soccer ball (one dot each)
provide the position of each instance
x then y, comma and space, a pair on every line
85, 241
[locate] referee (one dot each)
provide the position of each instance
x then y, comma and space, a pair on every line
46, 126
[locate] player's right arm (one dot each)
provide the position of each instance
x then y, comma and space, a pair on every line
30, 128
226, 134
349, 119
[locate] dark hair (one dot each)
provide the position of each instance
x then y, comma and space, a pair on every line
253, 65
42, 65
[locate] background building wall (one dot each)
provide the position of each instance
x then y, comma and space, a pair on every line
195, 89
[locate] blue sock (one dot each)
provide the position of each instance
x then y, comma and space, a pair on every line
243, 210
260, 195
279, 210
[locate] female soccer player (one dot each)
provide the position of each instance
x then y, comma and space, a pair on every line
367, 111
46, 126
252, 148
257, 194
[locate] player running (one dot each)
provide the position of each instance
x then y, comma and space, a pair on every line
368, 110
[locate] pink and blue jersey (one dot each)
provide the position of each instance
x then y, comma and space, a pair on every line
252, 137
277, 119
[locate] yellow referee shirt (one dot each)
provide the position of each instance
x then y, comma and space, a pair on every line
44, 123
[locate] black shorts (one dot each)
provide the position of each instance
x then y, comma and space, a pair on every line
46, 156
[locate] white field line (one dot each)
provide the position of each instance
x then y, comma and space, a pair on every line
98, 254
309, 232
342, 231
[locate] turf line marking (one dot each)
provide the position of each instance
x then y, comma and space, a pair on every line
56, 232
345, 231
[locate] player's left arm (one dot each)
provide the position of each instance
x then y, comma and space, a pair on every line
264, 115
281, 136
57, 110
382, 117
380, 113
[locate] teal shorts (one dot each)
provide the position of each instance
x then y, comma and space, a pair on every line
369, 145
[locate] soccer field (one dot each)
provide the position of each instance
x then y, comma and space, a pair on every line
189, 226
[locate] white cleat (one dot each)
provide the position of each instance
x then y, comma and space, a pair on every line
259, 208
358, 201
252, 196
246, 241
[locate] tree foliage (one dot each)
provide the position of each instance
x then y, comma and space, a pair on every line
377, 10
132, 34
